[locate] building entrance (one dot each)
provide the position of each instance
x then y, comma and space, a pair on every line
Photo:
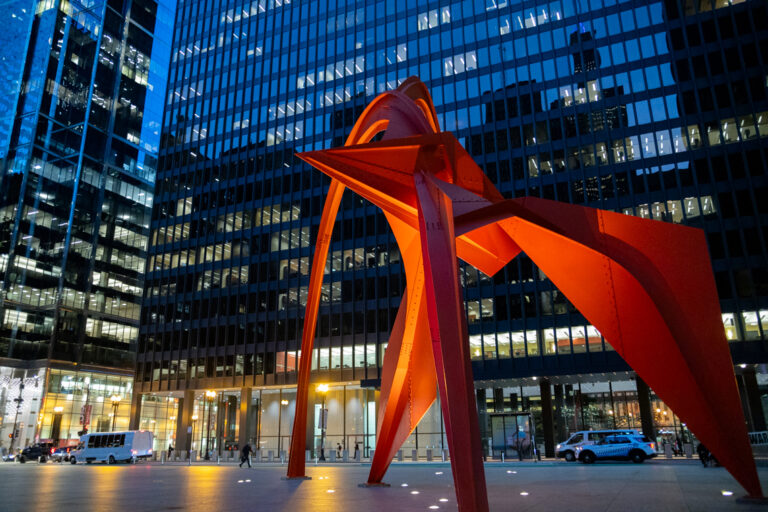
513, 435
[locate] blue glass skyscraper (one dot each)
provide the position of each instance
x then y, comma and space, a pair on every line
82, 94
650, 108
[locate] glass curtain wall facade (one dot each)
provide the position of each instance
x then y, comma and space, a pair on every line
79, 156
651, 108
57, 404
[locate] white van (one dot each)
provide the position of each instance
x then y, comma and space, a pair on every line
567, 449
112, 447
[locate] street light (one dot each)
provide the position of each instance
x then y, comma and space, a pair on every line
323, 390
115, 404
209, 396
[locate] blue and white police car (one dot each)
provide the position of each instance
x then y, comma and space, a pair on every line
636, 448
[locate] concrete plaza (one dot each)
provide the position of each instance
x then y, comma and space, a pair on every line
653, 486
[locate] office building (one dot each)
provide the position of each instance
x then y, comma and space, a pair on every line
650, 108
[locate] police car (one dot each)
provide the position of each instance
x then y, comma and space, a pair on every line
636, 448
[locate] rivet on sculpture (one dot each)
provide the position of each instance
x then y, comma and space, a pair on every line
646, 285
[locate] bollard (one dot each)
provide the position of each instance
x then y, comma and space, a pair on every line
502, 456
344, 455
162, 458
688, 450
444, 454
414, 455
357, 455
667, 450
270, 456
429, 454
218, 459
372, 452
400, 455
282, 456
307, 456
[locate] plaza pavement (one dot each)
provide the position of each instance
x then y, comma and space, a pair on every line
658, 485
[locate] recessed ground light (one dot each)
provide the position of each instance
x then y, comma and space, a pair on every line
434, 507
247, 481
414, 492
523, 493
443, 500
727, 493
438, 472
403, 485
330, 491
239, 481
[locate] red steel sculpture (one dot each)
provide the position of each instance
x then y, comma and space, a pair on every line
646, 285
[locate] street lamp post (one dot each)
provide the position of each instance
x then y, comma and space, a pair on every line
19, 400
323, 390
209, 395
115, 404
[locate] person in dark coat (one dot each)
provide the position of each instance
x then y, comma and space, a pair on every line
704, 454
245, 455
357, 449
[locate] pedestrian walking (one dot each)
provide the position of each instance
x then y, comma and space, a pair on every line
245, 455
170, 451
704, 454
357, 449
338, 450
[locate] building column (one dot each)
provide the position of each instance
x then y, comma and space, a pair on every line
244, 424
559, 408
482, 417
184, 423
498, 399
135, 420
754, 409
646, 414
310, 436
221, 414
547, 422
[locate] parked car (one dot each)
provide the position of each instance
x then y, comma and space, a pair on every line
636, 448
61, 454
39, 452
567, 449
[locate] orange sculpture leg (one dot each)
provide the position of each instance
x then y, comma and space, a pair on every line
296, 457
448, 325
646, 285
